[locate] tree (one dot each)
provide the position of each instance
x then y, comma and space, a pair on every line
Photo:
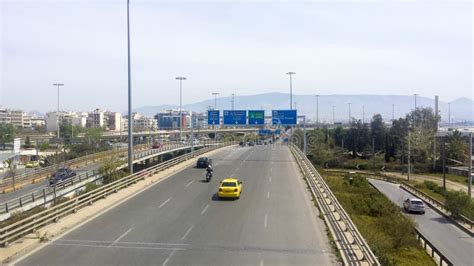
7, 133
358, 138
378, 130
457, 147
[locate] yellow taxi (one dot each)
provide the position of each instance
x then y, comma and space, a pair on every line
230, 188
32, 164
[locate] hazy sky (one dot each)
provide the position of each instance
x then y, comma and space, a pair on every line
245, 47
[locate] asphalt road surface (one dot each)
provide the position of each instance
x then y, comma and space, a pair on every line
454, 243
180, 221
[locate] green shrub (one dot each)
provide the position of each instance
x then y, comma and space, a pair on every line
458, 203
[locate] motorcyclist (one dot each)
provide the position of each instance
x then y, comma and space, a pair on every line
209, 170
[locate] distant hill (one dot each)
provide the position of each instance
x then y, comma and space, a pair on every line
462, 109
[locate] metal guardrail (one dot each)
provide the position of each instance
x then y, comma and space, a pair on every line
462, 221
44, 192
352, 246
432, 250
31, 223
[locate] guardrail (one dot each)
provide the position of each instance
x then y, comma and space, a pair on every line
462, 220
31, 223
352, 246
432, 250
40, 173
43, 193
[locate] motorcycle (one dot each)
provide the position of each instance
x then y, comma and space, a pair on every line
208, 176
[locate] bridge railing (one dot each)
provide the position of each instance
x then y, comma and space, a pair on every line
31, 223
43, 194
352, 246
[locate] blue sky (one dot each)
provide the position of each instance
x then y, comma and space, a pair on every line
242, 47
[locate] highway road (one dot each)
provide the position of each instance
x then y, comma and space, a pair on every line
180, 221
454, 243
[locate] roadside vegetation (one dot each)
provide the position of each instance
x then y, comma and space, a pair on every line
456, 202
389, 234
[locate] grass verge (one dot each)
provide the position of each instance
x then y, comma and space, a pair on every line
389, 234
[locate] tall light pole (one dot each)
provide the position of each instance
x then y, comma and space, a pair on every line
363, 114
470, 167
180, 107
349, 104
232, 101
333, 114
57, 113
449, 115
393, 112
317, 110
416, 94
215, 99
130, 118
291, 89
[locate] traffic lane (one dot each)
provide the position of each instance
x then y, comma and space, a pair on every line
259, 229
457, 245
159, 221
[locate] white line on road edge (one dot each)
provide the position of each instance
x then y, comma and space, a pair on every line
268, 194
163, 204
122, 236
187, 232
188, 184
266, 221
169, 257
205, 209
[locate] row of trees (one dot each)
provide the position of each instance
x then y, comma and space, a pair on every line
389, 143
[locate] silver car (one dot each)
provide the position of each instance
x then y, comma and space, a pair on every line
414, 205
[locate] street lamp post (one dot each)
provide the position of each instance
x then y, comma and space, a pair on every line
232, 101
333, 114
215, 99
291, 89
393, 112
180, 107
349, 104
363, 114
449, 115
415, 99
57, 112
130, 118
317, 110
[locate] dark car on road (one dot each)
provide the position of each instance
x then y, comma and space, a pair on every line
62, 174
251, 143
203, 162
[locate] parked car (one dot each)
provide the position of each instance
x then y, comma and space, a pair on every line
32, 164
251, 143
62, 174
157, 145
242, 143
414, 205
203, 162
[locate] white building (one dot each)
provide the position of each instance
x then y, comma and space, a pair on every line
114, 121
141, 123
96, 118
4, 116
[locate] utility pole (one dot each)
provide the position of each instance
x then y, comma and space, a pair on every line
409, 156
373, 155
449, 115
393, 112
444, 163
291, 89
215, 99
181, 107
130, 118
304, 135
470, 166
349, 104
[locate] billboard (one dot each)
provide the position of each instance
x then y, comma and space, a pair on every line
213, 117
235, 117
284, 117
256, 117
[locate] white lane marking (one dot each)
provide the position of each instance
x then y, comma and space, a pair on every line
163, 204
122, 236
169, 257
266, 221
261, 262
268, 194
123, 243
187, 232
271, 169
188, 184
205, 209
270, 179
118, 246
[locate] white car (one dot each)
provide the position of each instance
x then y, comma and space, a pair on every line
414, 205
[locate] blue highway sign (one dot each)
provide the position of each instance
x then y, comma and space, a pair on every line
284, 117
213, 117
235, 117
